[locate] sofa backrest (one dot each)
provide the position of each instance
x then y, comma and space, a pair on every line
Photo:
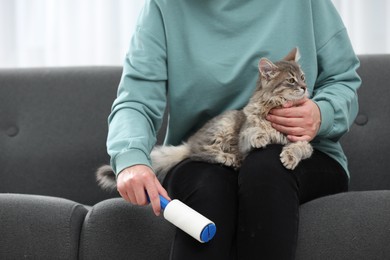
53, 127
367, 145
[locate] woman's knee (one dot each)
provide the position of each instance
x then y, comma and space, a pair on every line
210, 189
262, 167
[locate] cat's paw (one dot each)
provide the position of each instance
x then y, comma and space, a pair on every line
254, 137
289, 159
229, 160
293, 153
259, 140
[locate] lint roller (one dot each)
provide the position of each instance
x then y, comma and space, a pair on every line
188, 220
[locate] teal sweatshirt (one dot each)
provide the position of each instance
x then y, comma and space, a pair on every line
199, 58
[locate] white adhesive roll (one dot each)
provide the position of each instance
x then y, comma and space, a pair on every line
187, 219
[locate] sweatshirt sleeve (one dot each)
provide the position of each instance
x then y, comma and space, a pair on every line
138, 110
335, 90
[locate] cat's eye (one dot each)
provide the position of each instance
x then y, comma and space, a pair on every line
291, 80
303, 77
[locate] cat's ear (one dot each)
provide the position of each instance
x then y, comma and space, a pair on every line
267, 69
294, 55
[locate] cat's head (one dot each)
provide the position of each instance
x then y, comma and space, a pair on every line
283, 78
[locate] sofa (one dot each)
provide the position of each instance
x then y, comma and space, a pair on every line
53, 127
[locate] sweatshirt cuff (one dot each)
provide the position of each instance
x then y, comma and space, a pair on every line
327, 117
129, 158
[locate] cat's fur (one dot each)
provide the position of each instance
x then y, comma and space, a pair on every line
228, 138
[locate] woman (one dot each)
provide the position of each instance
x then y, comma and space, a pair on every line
201, 56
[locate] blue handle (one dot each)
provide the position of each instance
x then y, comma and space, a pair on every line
163, 201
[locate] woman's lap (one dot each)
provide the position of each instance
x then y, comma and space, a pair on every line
256, 208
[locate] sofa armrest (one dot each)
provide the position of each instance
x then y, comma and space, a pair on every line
115, 229
39, 227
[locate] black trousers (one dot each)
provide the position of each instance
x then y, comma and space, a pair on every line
256, 210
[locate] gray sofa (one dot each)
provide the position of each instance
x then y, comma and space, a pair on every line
53, 125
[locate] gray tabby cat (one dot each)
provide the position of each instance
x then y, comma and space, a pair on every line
228, 138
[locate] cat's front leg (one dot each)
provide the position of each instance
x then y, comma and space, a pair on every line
253, 137
293, 153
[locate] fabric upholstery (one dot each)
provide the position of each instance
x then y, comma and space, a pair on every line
39, 227
53, 127
367, 143
115, 229
352, 225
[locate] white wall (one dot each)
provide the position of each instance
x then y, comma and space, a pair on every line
368, 24
65, 32
97, 32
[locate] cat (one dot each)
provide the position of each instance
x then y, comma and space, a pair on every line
229, 137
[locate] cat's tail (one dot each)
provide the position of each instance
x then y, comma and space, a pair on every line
164, 158
105, 178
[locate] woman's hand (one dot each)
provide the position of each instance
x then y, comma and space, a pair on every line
135, 182
300, 120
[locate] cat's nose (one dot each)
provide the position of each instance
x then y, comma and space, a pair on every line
303, 87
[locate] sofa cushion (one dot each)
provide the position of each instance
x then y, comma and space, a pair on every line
39, 227
352, 225
115, 229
